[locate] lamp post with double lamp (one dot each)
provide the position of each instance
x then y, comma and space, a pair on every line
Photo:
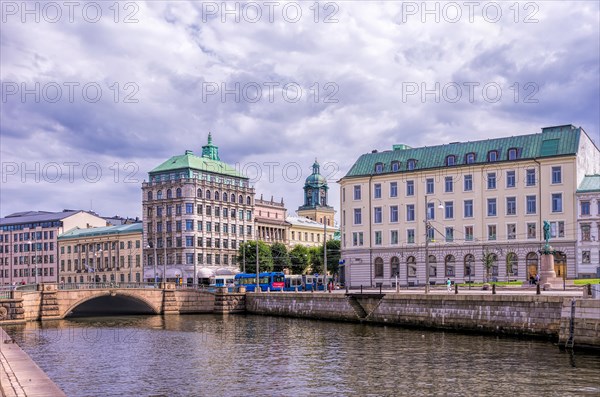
427, 228
257, 289
94, 265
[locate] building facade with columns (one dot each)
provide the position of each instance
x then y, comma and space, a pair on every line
29, 243
271, 221
588, 227
111, 254
481, 199
196, 211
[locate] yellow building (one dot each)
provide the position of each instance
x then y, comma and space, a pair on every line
482, 199
110, 254
308, 232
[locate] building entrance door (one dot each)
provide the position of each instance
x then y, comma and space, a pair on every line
560, 265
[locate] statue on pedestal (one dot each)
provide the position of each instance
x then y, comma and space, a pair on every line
546, 232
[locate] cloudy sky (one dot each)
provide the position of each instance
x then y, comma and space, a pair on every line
95, 94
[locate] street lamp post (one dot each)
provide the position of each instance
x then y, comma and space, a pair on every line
257, 283
427, 227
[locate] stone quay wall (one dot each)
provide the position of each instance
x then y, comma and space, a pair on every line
519, 315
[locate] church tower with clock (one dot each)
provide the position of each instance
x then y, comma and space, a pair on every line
316, 198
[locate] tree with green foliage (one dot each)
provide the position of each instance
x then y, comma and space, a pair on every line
316, 259
300, 259
248, 249
333, 258
281, 257
488, 262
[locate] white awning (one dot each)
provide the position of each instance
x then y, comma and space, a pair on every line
173, 272
226, 271
205, 272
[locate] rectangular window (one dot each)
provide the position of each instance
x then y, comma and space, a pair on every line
394, 237
217, 211
491, 180
586, 232
429, 186
449, 209
556, 202
530, 177
511, 231
585, 208
556, 175
531, 204
449, 234
357, 192
410, 188
410, 236
357, 238
189, 241
189, 225
511, 206
208, 210
394, 213
557, 229
377, 215
430, 210
468, 233
491, 207
449, 184
531, 231
585, 257
393, 189
357, 216
468, 183
468, 208
410, 212
377, 190
189, 208
377, 238
491, 232
511, 179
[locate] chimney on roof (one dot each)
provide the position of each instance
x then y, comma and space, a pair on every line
374, 151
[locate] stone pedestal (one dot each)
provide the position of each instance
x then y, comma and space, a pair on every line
548, 279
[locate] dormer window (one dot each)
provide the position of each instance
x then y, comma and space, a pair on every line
470, 158
395, 166
451, 160
492, 156
411, 164
378, 168
513, 154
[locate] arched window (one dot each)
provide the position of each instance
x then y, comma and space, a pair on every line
450, 160
378, 267
150, 195
470, 158
513, 154
492, 156
224, 196
469, 265
531, 261
512, 264
395, 166
217, 196
411, 164
199, 193
411, 266
378, 168
449, 265
394, 266
240, 199
178, 192
169, 194
432, 266
159, 195
248, 200
232, 198
207, 194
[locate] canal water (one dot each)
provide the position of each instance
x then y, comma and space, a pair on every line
236, 355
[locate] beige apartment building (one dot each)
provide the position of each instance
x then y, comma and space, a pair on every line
111, 254
29, 243
271, 224
486, 198
197, 210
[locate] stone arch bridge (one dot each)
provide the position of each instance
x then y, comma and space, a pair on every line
56, 301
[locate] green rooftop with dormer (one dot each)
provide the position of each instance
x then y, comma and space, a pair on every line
102, 231
551, 142
208, 162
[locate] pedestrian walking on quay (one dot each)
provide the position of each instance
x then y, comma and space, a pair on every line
449, 284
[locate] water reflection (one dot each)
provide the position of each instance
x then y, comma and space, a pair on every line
202, 355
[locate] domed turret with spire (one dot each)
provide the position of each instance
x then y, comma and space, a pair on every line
315, 198
210, 151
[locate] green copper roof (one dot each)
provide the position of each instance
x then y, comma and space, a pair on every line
590, 183
102, 231
553, 141
209, 162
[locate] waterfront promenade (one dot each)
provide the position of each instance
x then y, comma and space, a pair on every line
20, 375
